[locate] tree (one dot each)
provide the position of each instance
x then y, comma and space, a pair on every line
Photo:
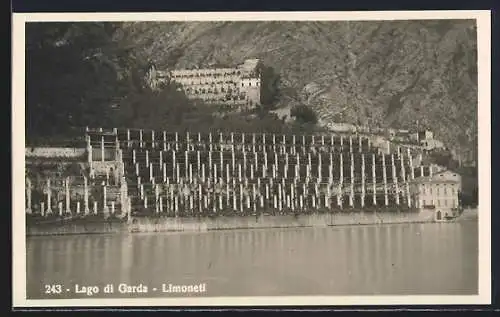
75, 73
270, 86
303, 114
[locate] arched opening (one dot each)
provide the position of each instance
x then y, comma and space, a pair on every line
438, 215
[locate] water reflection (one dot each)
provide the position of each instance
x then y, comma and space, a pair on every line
364, 260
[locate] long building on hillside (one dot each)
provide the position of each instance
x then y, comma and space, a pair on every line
239, 86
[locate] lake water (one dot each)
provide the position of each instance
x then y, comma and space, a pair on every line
412, 259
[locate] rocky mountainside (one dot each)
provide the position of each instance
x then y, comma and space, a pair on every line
387, 73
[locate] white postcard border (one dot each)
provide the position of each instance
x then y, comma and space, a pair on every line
483, 20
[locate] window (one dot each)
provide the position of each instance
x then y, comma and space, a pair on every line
444, 190
437, 189
438, 203
446, 202
430, 190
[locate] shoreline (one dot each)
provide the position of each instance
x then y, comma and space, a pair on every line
224, 223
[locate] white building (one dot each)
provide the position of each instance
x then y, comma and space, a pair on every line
439, 192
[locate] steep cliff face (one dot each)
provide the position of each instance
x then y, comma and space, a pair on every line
386, 73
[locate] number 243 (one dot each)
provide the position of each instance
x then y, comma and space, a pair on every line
53, 289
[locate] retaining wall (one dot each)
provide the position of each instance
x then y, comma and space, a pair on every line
144, 224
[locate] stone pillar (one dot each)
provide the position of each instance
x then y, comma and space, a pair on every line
327, 197
319, 168
190, 173
396, 187
352, 168
186, 163
105, 200
85, 196
280, 197
227, 173
164, 140
66, 190
102, 149
176, 206
351, 196
407, 185
403, 169
341, 168
241, 197
60, 208
42, 209
153, 139
203, 172
78, 208
374, 180
360, 144
95, 208
146, 202
245, 163
128, 138
235, 208
221, 160
157, 195
384, 175
350, 143
49, 197
28, 195
176, 146
198, 162
330, 170
412, 171
233, 160
363, 180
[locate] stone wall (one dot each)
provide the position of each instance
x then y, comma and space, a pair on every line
227, 223
286, 221
54, 152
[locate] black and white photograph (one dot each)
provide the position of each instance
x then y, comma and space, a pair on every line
195, 159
